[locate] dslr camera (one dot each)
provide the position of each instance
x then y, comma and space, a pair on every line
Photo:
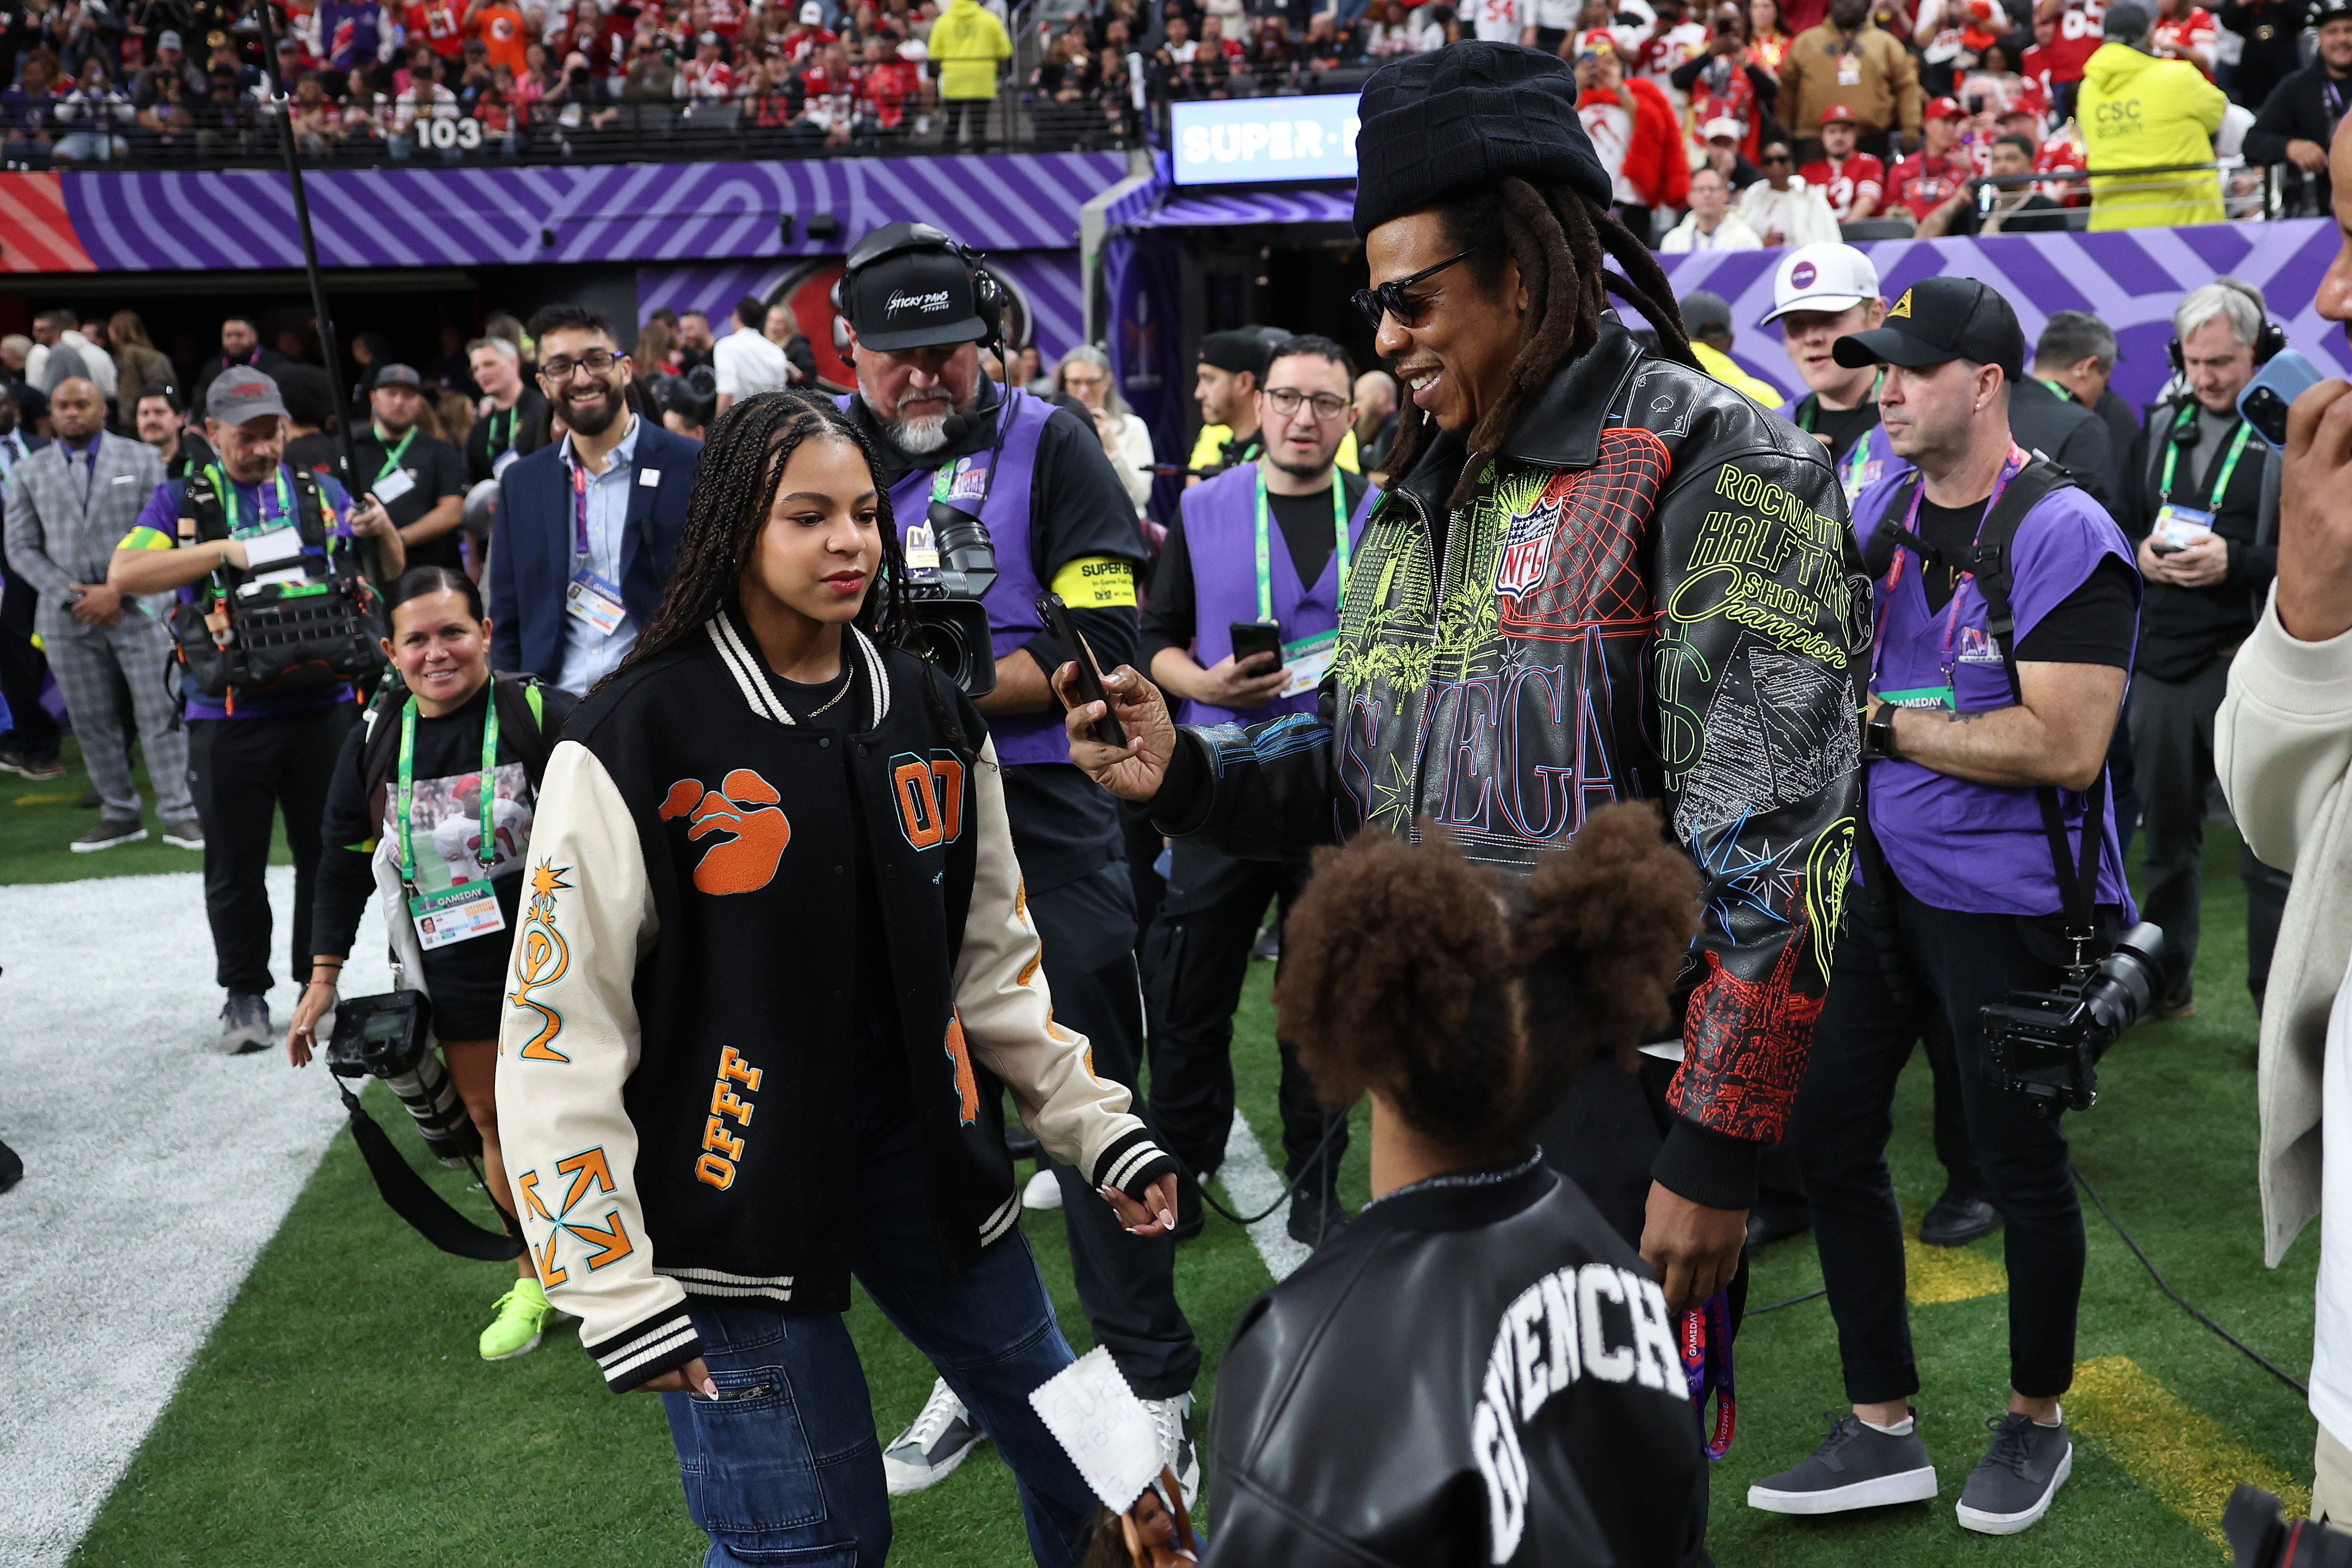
2261, 1537
384, 1036
2046, 1045
950, 563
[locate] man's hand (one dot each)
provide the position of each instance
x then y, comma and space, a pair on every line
1695, 1250
2314, 558
371, 520
692, 1378
2156, 568
1249, 683
1137, 770
98, 605
2308, 156
2201, 564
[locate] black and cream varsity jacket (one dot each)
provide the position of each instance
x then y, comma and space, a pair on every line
676, 1064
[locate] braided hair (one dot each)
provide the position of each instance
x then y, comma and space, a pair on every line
1562, 243
735, 488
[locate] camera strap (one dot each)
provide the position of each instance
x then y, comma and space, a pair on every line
427, 1212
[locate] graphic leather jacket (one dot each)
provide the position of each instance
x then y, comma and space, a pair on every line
1653, 595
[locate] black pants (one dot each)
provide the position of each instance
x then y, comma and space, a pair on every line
22, 668
1195, 958
1127, 1283
1845, 1114
243, 770
956, 110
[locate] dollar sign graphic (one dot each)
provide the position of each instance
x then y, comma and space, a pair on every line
1681, 731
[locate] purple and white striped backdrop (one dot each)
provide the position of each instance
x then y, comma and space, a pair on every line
1048, 280
639, 212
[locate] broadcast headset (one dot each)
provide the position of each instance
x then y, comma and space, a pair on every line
896, 239
2267, 341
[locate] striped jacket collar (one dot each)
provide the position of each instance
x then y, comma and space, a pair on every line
741, 657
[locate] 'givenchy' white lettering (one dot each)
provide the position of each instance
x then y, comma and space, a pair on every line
1598, 1322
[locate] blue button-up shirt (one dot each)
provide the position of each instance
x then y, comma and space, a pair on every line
589, 655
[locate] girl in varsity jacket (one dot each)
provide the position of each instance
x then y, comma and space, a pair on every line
773, 970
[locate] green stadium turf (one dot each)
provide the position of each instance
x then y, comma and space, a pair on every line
339, 1414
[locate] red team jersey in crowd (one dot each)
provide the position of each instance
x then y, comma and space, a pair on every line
2177, 39
1847, 183
726, 19
884, 89
2059, 156
1922, 189
435, 22
2075, 42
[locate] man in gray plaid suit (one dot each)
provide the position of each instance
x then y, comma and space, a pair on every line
68, 505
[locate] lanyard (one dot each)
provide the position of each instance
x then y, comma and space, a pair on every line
579, 511
2221, 487
1857, 458
1338, 545
485, 852
392, 454
2010, 468
2057, 388
505, 443
1707, 1368
227, 493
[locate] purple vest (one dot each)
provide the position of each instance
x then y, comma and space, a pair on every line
1012, 600
1971, 847
1221, 533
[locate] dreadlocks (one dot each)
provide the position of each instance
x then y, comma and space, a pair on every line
734, 489
1562, 244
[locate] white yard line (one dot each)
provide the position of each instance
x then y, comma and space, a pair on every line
1250, 1185
155, 1171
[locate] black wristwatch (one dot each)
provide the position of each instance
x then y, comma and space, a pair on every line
1878, 735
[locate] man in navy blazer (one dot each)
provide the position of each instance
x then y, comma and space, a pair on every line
587, 528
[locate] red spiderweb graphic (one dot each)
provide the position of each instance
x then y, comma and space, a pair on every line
1746, 1042
1594, 577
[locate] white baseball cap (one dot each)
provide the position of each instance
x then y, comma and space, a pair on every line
1822, 276
1725, 126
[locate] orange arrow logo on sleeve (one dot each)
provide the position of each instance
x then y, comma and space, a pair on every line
583, 1168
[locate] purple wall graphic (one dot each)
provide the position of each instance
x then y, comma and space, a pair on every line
1047, 280
602, 213
2131, 280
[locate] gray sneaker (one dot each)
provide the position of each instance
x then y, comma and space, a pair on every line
1857, 1466
184, 832
2019, 1475
927, 1452
244, 1025
109, 832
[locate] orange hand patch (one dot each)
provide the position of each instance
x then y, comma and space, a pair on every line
743, 808
967, 1088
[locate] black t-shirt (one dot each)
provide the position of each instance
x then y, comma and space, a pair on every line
1843, 426
523, 428
2095, 623
436, 470
1171, 616
319, 452
884, 1090
445, 826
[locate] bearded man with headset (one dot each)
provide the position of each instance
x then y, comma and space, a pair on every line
916, 307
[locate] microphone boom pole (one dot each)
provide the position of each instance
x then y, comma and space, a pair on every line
283, 102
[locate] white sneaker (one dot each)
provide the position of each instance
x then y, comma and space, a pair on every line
1043, 1192
1172, 1420
927, 1452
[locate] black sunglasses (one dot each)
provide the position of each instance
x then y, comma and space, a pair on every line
1389, 299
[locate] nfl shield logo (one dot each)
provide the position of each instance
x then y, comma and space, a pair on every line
1519, 569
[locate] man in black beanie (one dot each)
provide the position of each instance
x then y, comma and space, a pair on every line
1602, 576
1232, 370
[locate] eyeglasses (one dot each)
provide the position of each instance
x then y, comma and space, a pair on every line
1285, 401
1776, 158
1389, 299
596, 361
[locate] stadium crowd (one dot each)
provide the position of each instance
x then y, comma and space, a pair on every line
628, 582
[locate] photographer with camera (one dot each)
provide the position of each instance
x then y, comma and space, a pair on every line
915, 307
588, 528
2283, 744
1987, 771
430, 810
230, 540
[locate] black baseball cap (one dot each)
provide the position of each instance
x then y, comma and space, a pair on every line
1939, 319
1236, 349
909, 289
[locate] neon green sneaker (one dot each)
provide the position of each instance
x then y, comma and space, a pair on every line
523, 1315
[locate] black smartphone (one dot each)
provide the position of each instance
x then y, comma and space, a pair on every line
1254, 637
1056, 616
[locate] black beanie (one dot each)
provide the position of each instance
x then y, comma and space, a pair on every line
1469, 114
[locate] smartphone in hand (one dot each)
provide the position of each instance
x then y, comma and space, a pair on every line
1056, 616
2279, 382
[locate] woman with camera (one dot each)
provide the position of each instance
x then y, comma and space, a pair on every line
430, 810
1550, 1420
776, 964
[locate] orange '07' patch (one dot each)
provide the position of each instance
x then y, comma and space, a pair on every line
967, 1091
929, 794
743, 809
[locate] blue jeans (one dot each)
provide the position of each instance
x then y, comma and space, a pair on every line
784, 1467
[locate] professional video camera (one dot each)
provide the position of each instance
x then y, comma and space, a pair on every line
950, 563
2260, 1536
2047, 1044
